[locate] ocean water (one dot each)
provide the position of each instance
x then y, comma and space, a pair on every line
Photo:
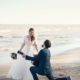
63, 38
55, 50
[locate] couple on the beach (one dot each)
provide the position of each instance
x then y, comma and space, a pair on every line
23, 69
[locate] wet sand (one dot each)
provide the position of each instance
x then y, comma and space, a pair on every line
65, 64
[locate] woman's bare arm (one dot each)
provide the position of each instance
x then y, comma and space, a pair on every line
35, 44
36, 47
22, 46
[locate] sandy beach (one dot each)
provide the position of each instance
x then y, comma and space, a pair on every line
65, 64
63, 38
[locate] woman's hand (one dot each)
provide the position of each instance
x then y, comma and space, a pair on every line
23, 55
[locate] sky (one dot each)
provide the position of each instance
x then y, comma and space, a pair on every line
39, 11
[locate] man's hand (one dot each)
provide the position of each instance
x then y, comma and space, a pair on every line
23, 55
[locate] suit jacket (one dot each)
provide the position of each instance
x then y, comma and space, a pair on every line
44, 61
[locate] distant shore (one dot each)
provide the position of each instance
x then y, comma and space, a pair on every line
65, 64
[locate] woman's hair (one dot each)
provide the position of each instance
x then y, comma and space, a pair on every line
47, 43
32, 37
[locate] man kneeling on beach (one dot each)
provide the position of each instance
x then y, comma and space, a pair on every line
44, 67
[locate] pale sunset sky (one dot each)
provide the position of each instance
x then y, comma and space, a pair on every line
39, 11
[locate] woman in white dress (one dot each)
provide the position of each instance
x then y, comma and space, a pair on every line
20, 68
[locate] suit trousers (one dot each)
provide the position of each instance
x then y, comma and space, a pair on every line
35, 70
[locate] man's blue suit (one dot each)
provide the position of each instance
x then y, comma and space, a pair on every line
44, 67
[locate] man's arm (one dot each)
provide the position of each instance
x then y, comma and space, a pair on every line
38, 57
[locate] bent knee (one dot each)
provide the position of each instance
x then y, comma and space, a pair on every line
31, 68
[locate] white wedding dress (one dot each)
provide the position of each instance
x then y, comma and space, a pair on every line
20, 70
